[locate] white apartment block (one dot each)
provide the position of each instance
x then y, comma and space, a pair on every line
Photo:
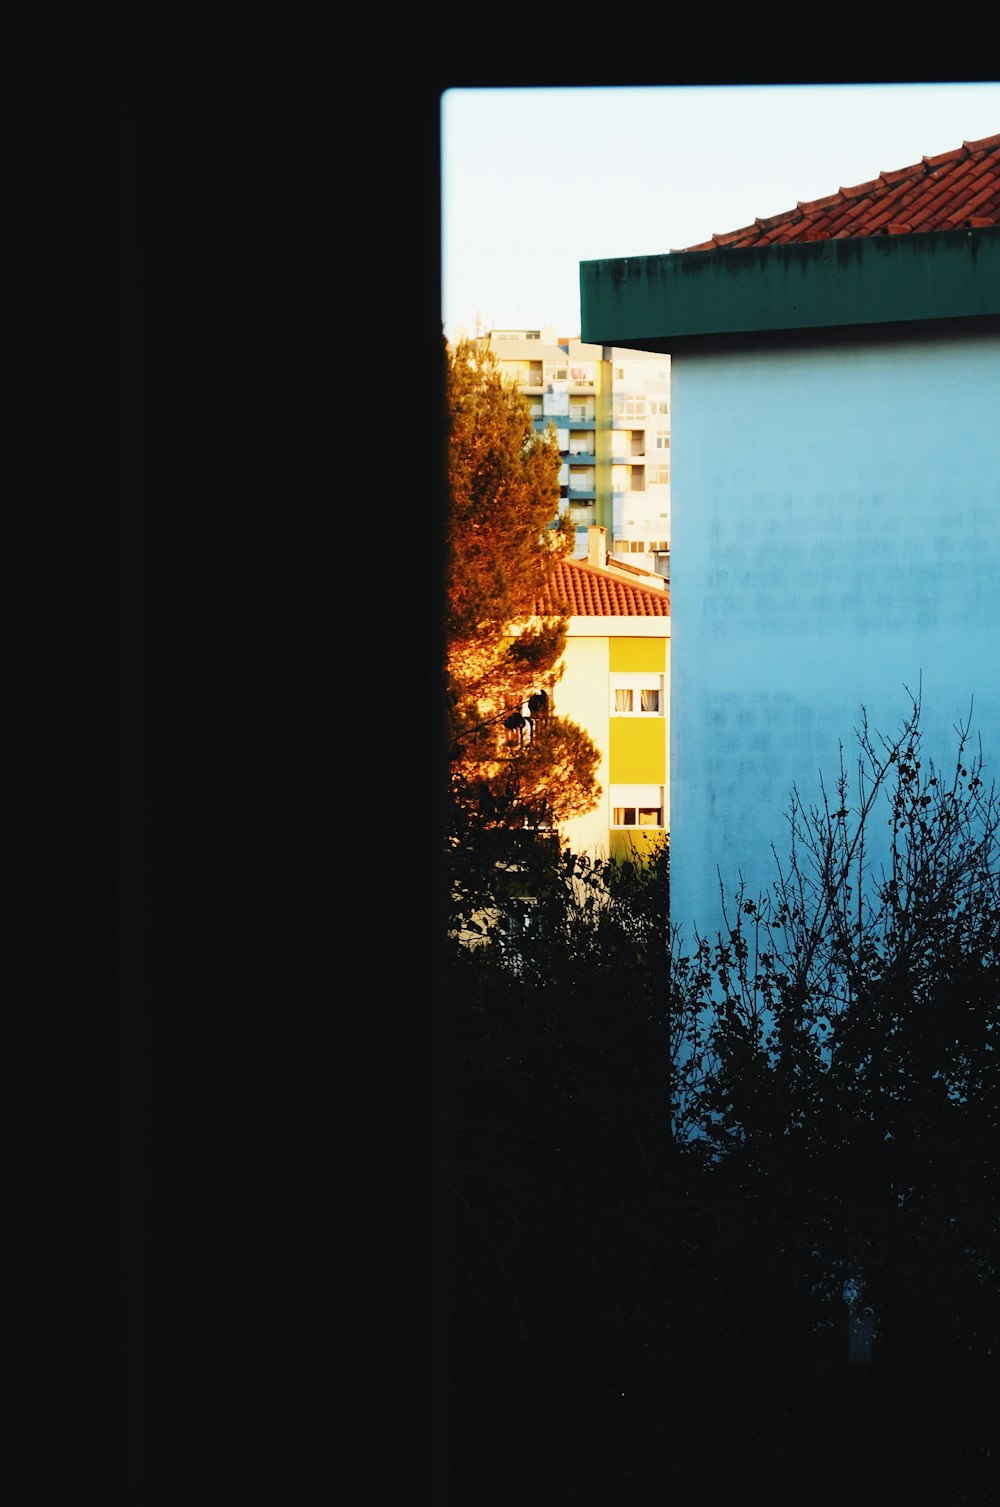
611, 412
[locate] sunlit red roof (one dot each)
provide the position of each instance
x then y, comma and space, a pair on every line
953, 191
584, 590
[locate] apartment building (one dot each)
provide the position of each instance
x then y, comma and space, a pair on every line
611, 412
840, 529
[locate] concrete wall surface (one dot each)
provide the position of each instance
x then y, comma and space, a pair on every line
836, 539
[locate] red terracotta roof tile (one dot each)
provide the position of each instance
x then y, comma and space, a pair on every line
947, 192
951, 156
859, 189
772, 220
587, 591
895, 175
804, 205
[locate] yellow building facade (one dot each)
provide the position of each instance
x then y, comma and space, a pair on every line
615, 683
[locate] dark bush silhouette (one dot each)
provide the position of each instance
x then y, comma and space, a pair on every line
725, 1224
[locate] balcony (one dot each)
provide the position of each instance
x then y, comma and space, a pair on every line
582, 494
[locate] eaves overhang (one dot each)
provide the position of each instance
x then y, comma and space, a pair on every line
693, 299
618, 627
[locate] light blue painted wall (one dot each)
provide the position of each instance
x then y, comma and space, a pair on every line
836, 537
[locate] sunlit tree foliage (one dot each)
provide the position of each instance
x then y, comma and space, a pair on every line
514, 762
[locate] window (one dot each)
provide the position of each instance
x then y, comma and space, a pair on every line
659, 476
637, 694
637, 805
629, 405
662, 439
637, 816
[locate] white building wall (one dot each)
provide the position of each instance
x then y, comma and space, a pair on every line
836, 538
641, 378
640, 516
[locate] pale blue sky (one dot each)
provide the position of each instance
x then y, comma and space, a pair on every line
534, 181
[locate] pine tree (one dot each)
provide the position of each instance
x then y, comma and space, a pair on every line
514, 762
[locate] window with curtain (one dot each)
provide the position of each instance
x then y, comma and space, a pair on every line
637, 806
637, 694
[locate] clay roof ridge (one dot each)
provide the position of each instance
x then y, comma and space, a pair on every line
897, 174
859, 190
947, 189
725, 237
809, 206
952, 156
767, 222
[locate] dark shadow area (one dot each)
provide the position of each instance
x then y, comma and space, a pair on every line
219, 1134
727, 1225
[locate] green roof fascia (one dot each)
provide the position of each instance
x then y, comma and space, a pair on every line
679, 298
